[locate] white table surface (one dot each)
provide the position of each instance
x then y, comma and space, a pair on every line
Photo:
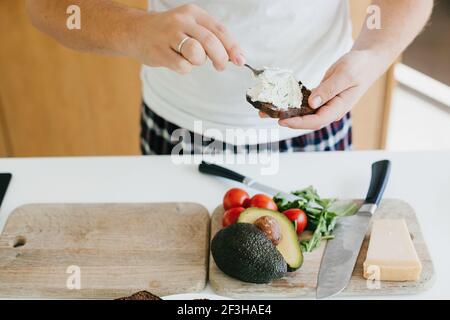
420, 178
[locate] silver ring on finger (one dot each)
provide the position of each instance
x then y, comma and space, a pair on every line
182, 43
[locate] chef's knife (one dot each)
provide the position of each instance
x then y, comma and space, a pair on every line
219, 171
341, 252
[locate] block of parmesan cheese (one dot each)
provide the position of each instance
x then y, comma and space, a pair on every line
391, 255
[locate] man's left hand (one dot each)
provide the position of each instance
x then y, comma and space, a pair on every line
342, 86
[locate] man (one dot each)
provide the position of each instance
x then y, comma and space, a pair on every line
193, 53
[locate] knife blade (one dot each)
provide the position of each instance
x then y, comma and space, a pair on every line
213, 169
342, 252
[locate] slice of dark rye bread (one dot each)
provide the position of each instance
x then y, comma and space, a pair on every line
275, 112
145, 295
141, 295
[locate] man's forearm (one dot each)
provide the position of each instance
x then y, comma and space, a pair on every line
106, 26
374, 50
153, 39
401, 22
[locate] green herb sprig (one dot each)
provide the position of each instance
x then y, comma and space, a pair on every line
322, 214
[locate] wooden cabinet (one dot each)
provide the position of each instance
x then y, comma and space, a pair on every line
54, 101
59, 102
3, 147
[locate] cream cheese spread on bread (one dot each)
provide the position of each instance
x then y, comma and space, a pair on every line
278, 87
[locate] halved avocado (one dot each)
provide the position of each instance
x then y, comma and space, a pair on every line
244, 252
289, 246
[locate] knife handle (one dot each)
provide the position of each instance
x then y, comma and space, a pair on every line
219, 171
378, 182
5, 179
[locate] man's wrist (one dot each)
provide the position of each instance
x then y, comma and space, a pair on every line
378, 57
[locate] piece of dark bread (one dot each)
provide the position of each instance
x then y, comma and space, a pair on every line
275, 112
141, 295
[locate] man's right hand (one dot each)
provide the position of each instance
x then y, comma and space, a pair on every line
156, 36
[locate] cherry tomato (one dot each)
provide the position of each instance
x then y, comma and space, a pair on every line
231, 216
263, 201
247, 203
234, 198
298, 216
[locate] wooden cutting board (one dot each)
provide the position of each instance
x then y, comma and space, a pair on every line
116, 249
302, 283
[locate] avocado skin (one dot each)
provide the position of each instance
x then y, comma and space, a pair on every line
242, 251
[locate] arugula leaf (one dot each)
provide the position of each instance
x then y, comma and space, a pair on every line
322, 214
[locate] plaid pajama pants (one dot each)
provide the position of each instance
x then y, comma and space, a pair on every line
156, 135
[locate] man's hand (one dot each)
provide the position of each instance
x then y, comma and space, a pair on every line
157, 37
342, 86
374, 50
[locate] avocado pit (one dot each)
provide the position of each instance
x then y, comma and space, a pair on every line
270, 227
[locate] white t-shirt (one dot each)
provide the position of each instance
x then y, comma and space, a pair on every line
302, 35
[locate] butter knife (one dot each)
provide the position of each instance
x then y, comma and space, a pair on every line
341, 252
